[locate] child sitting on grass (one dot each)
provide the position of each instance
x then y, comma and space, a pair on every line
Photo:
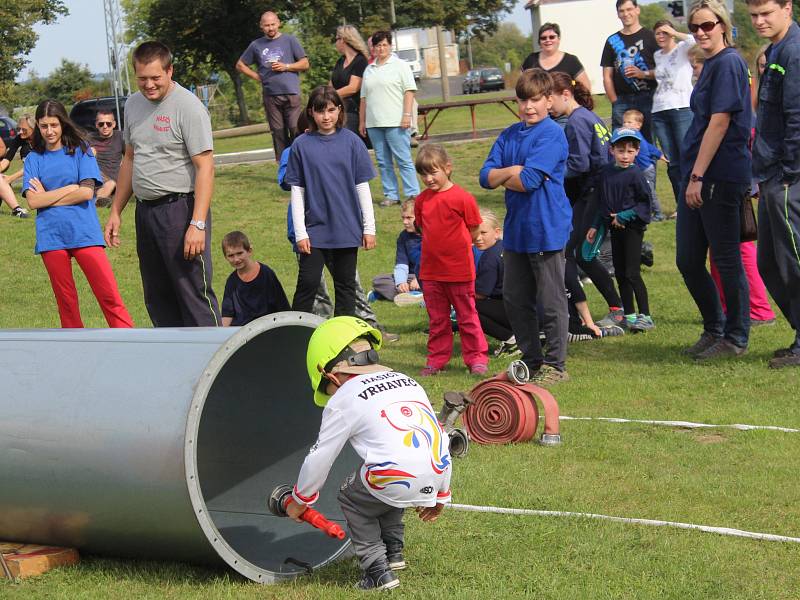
252, 290
646, 160
625, 209
529, 160
403, 286
388, 420
448, 217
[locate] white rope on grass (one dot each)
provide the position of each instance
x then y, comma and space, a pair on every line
769, 537
685, 424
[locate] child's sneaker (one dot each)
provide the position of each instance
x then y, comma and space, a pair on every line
548, 375
20, 213
394, 555
612, 331
372, 297
614, 317
429, 371
378, 576
409, 298
641, 324
478, 369
508, 347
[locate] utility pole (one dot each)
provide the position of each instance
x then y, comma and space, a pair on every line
117, 53
443, 64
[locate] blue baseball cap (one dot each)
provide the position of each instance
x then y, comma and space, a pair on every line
626, 133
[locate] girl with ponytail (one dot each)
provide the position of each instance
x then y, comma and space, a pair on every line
588, 138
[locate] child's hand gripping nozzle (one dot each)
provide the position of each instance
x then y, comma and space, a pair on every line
280, 498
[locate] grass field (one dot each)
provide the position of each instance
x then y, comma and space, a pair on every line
487, 116
721, 477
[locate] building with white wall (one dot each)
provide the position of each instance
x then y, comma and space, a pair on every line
585, 26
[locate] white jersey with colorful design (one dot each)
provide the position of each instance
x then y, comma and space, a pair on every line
390, 423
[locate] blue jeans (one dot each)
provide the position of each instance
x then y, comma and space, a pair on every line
394, 142
715, 226
643, 102
670, 127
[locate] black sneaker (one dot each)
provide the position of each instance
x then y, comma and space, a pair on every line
704, 343
396, 560
783, 352
378, 576
787, 360
722, 348
20, 213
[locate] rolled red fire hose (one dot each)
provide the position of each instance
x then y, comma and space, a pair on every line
503, 412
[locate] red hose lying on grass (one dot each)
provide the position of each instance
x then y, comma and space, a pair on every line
503, 412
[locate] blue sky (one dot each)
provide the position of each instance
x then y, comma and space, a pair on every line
81, 37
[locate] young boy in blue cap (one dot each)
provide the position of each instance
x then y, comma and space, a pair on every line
624, 205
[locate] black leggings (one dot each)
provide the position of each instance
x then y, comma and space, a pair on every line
493, 317
584, 212
341, 263
626, 252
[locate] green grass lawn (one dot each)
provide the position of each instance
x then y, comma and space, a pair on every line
745, 480
487, 116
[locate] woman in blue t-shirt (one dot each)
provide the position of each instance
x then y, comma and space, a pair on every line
60, 175
716, 170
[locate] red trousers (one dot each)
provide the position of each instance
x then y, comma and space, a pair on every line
94, 264
439, 296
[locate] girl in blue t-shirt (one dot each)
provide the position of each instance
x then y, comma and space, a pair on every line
588, 154
60, 175
329, 171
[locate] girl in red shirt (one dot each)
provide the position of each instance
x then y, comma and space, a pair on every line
448, 218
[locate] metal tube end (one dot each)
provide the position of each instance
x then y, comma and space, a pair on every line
550, 439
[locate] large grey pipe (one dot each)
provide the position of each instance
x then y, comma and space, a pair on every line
163, 443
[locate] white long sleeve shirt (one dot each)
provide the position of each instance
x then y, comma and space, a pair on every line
389, 422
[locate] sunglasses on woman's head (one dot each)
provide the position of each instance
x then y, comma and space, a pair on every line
706, 26
545, 38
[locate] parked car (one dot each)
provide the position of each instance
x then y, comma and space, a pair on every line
470, 82
490, 79
8, 129
84, 111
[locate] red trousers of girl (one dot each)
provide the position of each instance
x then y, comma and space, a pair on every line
439, 296
95, 265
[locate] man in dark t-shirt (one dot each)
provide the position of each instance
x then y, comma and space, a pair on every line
279, 58
629, 68
252, 290
109, 149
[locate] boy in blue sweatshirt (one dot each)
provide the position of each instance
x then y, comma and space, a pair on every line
624, 208
646, 160
529, 159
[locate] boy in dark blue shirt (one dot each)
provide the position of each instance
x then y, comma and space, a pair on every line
625, 209
403, 285
646, 160
252, 290
529, 160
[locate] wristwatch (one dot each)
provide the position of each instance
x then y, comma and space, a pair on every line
694, 177
201, 225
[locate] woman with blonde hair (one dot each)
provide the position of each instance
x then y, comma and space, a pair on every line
20, 143
348, 72
716, 171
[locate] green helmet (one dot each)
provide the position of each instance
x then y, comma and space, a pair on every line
328, 341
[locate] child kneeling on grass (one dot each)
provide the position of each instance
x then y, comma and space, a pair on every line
253, 289
529, 160
625, 208
388, 420
402, 286
448, 217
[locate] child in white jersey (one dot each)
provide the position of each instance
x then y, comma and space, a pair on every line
388, 420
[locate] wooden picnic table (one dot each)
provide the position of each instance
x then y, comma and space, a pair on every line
438, 107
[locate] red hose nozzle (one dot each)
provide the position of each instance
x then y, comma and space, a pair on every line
281, 497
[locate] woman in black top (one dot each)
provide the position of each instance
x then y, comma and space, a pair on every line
550, 58
348, 72
21, 143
